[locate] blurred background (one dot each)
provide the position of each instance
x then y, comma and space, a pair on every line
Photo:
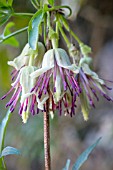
92, 20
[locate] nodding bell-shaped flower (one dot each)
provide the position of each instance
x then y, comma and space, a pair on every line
91, 86
24, 65
27, 55
56, 80
87, 79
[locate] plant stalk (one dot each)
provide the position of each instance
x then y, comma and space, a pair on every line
47, 139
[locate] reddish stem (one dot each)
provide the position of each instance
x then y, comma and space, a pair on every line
47, 140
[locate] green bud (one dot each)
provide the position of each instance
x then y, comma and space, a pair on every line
85, 49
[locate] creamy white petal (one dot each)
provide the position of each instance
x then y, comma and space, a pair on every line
48, 60
47, 64
21, 60
63, 60
88, 71
59, 88
25, 80
42, 101
39, 72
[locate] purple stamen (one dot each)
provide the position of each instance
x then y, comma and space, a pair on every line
109, 88
33, 104
101, 92
87, 92
26, 104
70, 80
94, 92
63, 78
21, 109
14, 75
15, 101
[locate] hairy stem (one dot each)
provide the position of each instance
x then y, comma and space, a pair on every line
47, 142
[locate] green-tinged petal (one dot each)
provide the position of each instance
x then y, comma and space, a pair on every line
63, 60
48, 60
42, 101
21, 60
73, 68
47, 64
51, 114
24, 57
84, 105
59, 88
27, 84
85, 49
25, 80
39, 72
88, 71
87, 60
25, 116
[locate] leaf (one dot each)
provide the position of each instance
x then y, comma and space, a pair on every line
6, 2
4, 69
1, 168
84, 156
33, 30
3, 126
2, 2
9, 151
51, 2
5, 14
11, 41
10, 2
67, 165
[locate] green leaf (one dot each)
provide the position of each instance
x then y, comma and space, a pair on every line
51, 2
9, 151
2, 2
10, 2
11, 41
67, 165
4, 69
3, 126
6, 2
33, 30
1, 168
5, 14
84, 156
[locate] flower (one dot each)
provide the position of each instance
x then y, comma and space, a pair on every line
91, 86
24, 65
27, 55
56, 82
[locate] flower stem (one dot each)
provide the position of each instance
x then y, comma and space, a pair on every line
13, 34
75, 37
23, 14
64, 35
47, 139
